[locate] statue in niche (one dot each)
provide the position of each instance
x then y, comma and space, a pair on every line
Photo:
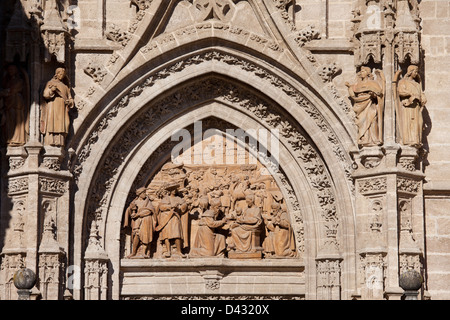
279, 241
208, 242
172, 220
410, 101
245, 230
14, 105
367, 97
141, 217
57, 100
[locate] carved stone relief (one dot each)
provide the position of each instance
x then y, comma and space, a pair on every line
14, 105
160, 112
57, 100
231, 211
367, 96
409, 104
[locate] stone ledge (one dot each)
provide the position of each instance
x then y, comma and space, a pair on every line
202, 263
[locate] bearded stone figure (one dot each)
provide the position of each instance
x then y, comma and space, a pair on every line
14, 103
58, 100
410, 102
367, 96
141, 217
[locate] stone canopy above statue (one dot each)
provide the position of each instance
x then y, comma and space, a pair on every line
209, 210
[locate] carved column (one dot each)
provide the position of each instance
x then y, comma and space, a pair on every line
95, 268
328, 279
389, 199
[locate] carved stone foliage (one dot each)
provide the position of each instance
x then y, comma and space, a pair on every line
117, 35
17, 185
228, 92
373, 185
96, 71
216, 297
52, 185
408, 185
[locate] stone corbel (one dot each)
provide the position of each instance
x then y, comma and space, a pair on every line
16, 157
212, 279
52, 158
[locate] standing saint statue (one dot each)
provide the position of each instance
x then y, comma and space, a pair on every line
410, 102
172, 220
367, 96
141, 217
14, 105
55, 121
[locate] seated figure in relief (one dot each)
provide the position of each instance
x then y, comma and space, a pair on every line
208, 242
245, 230
279, 241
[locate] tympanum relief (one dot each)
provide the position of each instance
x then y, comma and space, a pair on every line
193, 210
190, 211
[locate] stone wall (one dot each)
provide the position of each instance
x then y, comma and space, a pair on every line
436, 45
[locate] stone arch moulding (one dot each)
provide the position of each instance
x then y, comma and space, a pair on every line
295, 108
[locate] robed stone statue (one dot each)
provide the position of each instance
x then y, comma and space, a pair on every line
410, 101
367, 96
14, 106
57, 100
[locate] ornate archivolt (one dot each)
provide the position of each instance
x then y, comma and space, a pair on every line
101, 120
242, 99
196, 94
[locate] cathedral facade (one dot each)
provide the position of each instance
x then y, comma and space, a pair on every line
225, 149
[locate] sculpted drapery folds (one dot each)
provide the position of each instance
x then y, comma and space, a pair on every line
367, 96
57, 100
192, 217
410, 102
172, 220
245, 231
209, 242
279, 241
141, 216
14, 104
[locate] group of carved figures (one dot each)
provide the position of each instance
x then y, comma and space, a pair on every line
367, 95
368, 98
235, 218
56, 100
